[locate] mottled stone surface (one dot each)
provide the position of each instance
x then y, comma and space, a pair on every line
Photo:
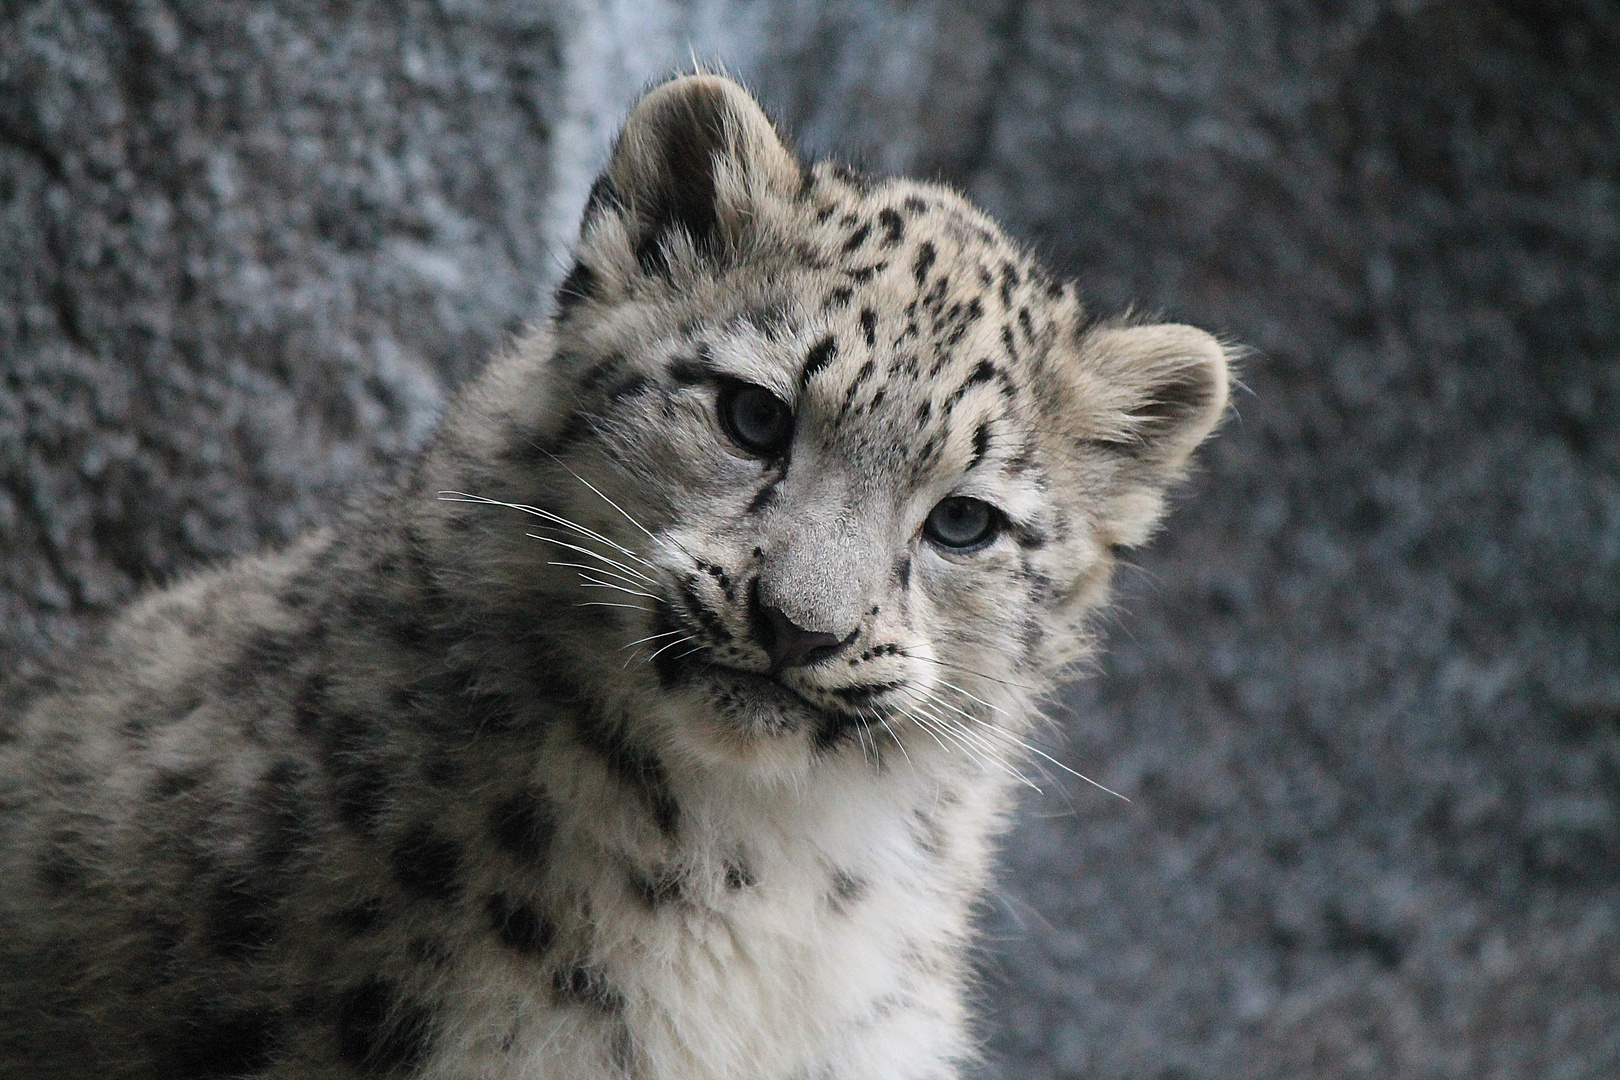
1365, 691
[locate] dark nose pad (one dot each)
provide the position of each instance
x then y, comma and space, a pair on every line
787, 643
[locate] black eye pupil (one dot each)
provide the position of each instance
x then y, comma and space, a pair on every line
755, 418
961, 522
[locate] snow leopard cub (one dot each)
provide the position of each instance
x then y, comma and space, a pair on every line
658, 721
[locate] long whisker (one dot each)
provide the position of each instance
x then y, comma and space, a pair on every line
1010, 737
547, 515
649, 637
670, 645
588, 551
596, 570
592, 583
969, 671
604, 603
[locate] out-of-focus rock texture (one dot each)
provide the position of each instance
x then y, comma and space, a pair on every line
1364, 692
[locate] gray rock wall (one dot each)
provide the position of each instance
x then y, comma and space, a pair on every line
1364, 693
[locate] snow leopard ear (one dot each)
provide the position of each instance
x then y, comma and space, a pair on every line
1149, 394
694, 156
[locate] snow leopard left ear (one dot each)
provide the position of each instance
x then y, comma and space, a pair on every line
1149, 395
693, 157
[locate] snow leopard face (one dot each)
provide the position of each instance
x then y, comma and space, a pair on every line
829, 461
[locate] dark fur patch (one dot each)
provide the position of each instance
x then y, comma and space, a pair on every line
216, 1042
764, 496
687, 371
869, 326
638, 769
282, 816
857, 238
902, 572
820, 355
832, 731
847, 890
893, 225
426, 863
520, 925
981, 444
739, 875
924, 262
587, 986
378, 1032
582, 283
362, 917
523, 826
359, 782
239, 918
915, 205
839, 297
687, 136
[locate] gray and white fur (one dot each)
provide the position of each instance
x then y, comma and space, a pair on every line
659, 720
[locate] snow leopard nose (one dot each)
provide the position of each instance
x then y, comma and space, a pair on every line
786, 642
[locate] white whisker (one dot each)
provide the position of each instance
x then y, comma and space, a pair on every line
592, 583
649, 637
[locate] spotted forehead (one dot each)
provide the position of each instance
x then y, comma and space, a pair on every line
924, 325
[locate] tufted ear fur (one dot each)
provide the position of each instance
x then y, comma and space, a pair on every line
1150, 394
693, 155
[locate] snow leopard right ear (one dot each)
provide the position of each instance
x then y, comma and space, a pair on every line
694, 156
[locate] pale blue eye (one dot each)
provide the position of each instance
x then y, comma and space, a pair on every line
962, 524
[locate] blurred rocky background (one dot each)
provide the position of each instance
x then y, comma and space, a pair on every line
1364, 692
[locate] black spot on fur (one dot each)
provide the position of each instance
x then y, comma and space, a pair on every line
849, 176
588, 986
1009, 281
1026, 324
523, 826
764, 496
857, 238
820, 355
902, 572
847, 890
687, 371
638, 769
1007, 341
519, 925
862, 274
839, 297
869, 326
239, 918
893, 226
739, 876
426, 863
915, 205
981, 444
216, 1042
833, 729
170, 784
582, 283
984, 371
379, 1032
631, 387
924, 262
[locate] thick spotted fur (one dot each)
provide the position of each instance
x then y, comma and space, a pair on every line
659, 720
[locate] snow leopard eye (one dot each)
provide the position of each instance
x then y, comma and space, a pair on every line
962, 524
756, 419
